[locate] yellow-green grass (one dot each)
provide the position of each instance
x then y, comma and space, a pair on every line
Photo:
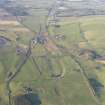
72, 89
94, 29
94, 32
69, 87
45, 85
71, 32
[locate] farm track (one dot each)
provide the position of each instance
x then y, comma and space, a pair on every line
82, 71
36, 65
56, 77
21, 64
50, 50
18, 69
84, 74
48, 61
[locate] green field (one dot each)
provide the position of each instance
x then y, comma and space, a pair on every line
82, 75
73, 89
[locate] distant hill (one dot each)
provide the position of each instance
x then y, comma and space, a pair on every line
83, 8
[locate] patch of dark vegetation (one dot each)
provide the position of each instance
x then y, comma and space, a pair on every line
98, 67
89, 54
4, 41
20, 50
26, 99
77, 70
57, 26
96, 85
39, 39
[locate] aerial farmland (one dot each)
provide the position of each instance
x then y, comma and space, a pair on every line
52, 52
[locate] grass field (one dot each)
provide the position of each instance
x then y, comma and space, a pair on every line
72, 89
75, 88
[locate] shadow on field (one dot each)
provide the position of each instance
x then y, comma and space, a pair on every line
96, 85
26, 99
